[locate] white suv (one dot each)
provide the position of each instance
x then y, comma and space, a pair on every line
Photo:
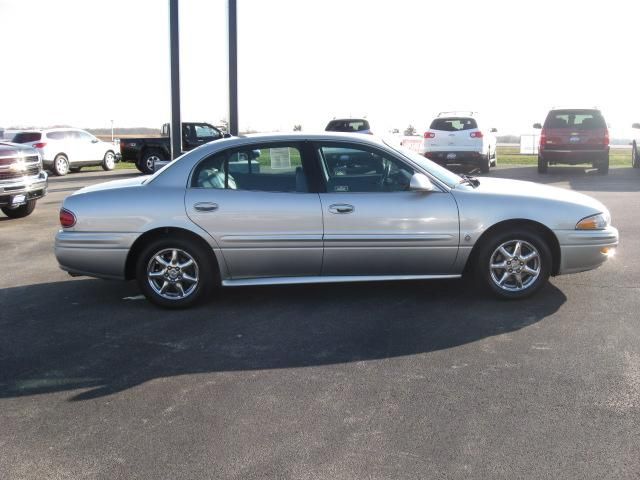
65, 149
460, 138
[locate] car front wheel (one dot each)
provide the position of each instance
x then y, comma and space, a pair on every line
174, 273
514, 264
21, 211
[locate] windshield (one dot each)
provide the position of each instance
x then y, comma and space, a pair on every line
453, 124
26, 137
355, 125
445, 176
575, 120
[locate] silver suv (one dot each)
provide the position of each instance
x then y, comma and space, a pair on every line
22, 180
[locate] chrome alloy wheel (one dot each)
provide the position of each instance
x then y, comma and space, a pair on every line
62, 165
172, 274
151, 161
110, 160
515, 265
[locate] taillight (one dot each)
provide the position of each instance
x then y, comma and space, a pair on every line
543, 139
67, 218
429, 135
39, 145
606, 137
476, 135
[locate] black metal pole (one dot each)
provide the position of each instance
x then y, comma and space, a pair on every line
174, 41
232, 28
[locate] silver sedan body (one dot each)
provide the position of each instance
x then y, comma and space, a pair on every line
332, 207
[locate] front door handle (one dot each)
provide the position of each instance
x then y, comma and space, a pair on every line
206, 206
341, 208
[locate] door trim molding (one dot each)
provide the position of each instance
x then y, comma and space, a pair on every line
245, 282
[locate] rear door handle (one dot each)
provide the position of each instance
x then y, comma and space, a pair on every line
205, 206
341, 208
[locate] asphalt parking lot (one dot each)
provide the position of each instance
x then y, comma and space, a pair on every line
376, 381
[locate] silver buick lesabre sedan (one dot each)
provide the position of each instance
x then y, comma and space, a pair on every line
285, 209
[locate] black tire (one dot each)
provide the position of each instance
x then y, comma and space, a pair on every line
543, 165
495, 158
635, 161
486, 163
109, 161
60, 165
488, 252
603, 166
204, 262
21, 211
148, 160
75, 169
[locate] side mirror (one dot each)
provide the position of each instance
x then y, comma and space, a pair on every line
537, 126
226, 135
94, 140
635, 125
493, 130
421, 183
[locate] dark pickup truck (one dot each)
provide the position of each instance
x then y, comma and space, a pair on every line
145, 152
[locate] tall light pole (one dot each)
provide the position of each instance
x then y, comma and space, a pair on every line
111, 131
232, 28
174, 48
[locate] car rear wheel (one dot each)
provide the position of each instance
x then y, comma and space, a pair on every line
603, 166
543, 165
148, 161
174, 273
486, 163
21, 211
514, 264
635, 162
109, 161
61, 165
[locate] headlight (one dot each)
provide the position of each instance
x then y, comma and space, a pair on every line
594, 222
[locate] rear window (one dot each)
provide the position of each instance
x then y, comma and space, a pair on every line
575, 119
26, 137
453, 124
347, 126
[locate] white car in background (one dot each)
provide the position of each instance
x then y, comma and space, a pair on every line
69, 149
460, 138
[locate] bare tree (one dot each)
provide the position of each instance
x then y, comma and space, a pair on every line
410, 130
297, 128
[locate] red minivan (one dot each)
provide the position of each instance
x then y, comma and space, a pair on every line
574, 136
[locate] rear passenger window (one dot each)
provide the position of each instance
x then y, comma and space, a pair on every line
57, 135
258, 168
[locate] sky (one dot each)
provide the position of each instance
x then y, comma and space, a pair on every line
399, 62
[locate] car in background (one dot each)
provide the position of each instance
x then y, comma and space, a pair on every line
349, 125
460, 138
22, 180
323, 209
573, 136
635, 160
69, 149
151, 153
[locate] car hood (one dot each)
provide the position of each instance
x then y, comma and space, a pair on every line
519, 188
9, 149
125, 182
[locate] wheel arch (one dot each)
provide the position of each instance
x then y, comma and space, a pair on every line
156, 233
506, 225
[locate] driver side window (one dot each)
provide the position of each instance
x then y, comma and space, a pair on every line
358, 169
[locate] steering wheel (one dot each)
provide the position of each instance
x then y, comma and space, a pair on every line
385, 173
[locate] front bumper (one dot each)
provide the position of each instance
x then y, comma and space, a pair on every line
582, 250
18, 191
95, 254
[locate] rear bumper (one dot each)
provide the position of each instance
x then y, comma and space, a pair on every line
32, 188
582, 250
456, 157
95, 254
574, 157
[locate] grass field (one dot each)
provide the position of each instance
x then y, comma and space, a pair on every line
506, 156
509, 156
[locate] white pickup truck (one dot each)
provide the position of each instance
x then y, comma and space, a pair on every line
22, 180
